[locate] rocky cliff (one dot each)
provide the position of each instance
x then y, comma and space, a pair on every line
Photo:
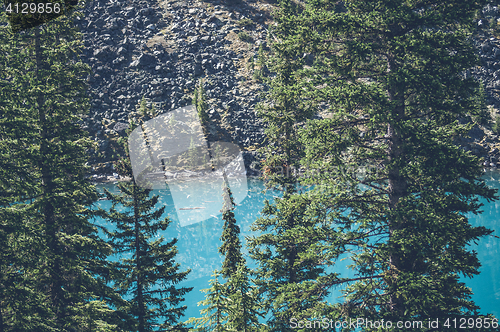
159, 50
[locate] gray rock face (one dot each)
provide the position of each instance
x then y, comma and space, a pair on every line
488, 49
192, 42
119, 127
126, 66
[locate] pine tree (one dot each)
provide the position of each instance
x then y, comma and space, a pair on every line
22, 308
199, 101
144, 112
232, 305
231, 245
60, 263
292, 251
243, 302
243, 307
286, 107
396, 189
215, 314
150, 274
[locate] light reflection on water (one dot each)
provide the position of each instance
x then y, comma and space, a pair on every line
198, 244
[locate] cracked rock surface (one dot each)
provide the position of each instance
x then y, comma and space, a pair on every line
160, 50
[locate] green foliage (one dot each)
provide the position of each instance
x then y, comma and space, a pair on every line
96, 310
22, 306
243, 302
144, 112
200, 102
496, 125
52, 257
230, 306
257, 75
245, 22
215, 314
292, 251
233, 305
259, 66
480, 112
150, 274
118, 145
389, 188
262, 57
250, 64
244, 36
231, 246
287, 104
293, 254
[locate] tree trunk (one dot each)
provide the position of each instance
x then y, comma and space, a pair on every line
397, 186
48, 186
137, 228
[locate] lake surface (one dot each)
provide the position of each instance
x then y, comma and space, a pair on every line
198, 241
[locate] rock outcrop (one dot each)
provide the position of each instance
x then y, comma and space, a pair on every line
159, 50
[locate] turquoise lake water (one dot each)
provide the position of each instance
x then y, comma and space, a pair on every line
194, 209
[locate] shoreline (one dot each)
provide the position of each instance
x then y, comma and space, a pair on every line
105, 178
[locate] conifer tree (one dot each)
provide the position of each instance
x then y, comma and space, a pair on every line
285, 107
231, 245
214, 315
394, 187
150, 274
144, 112
199, 101
244, 307
292, 254
22, 307
60, 264
292, 250
232, 305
